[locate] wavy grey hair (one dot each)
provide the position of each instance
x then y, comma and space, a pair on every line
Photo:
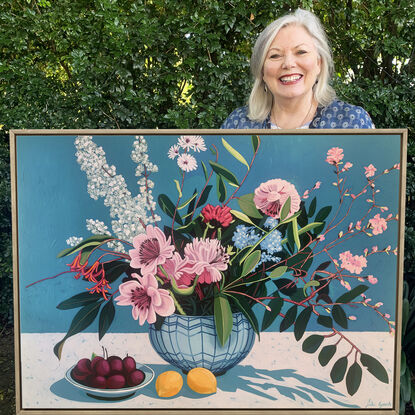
260, 100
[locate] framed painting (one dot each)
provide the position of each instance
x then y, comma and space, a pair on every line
158, 271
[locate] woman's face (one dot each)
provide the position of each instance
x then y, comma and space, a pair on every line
292, 64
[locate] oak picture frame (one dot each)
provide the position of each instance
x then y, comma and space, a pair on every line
49, 196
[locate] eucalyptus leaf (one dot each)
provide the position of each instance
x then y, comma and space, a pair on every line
223, 318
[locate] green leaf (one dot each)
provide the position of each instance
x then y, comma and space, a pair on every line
312, 343
339, 316
247, 205
285, 286
79, 300
285, 210
295, 233
250, 262
224, 172
223, 318
255, 142
278, 272
406, 386
234, 153
312, 207
323, 266
220, 189
309, 227
205, 172
246, 309
322, 214
289, 318
301, 322
205, 195
178, 188
353, 378
352, 294
92, 241
403, 363
83, 319
114, 269
106, 318
374, 367
242, 216
312, 283
167, 206
339, 370
325, 321
184, 204
269, 316
326, 353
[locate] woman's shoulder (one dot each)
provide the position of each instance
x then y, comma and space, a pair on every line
239, 119
340, 114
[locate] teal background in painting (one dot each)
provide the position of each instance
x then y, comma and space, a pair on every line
53, 204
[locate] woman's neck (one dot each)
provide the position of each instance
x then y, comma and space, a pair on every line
293, 113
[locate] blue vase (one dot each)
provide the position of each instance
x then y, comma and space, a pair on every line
191, 341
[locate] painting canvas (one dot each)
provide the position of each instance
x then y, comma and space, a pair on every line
162, 270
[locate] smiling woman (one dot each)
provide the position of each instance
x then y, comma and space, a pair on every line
292, 64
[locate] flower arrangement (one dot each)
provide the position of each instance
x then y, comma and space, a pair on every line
269, 248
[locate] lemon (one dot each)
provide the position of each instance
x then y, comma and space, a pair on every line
169, 384
202, 380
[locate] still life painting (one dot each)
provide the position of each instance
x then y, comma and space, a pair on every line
167, 270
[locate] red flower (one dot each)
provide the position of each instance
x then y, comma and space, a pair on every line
217, 215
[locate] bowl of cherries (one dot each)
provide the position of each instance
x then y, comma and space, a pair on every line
111, 378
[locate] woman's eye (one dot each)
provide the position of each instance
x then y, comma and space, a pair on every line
275, 56
301, 52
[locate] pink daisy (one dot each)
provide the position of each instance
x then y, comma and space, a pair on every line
173, 151
187, 142
370, 170
378, 224
177, 267
207, 258
334, 155
270, 197
146, 298
151, 249
187, 162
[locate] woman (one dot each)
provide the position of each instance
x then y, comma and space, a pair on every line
292, 64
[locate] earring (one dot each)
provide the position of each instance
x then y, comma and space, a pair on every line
265, 87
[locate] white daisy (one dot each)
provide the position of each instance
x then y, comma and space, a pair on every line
187, 141
173, 152
199, 144
187, 162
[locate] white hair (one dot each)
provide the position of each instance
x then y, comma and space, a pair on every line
260, 100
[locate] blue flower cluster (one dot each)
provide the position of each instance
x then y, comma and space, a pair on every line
245, 236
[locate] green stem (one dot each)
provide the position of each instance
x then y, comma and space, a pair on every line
176, 303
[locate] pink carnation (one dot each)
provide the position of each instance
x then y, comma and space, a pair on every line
271, 196
378, 224
352, 263
146, 298
177, 268
334, 155
206, 258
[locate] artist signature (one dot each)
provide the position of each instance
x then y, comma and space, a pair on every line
372, 404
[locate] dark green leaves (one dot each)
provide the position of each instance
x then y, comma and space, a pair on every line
269, 316
167, 206
352, 294
325, 321
91, 242
224, 173
83, 319
223, 318
220, 189
79, 300
289, 318
339, 316
374, 367
106, 318
247, 205
255, 142
301, 322
353, 378
312, 343
339, 370
326, 353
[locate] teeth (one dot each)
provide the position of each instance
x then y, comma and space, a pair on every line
290, 78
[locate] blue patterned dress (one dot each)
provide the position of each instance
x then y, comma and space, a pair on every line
338, 114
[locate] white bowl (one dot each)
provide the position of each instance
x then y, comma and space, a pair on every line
113, 394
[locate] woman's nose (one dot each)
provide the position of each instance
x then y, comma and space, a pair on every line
288, 61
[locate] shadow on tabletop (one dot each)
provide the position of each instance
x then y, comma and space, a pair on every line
263, 383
